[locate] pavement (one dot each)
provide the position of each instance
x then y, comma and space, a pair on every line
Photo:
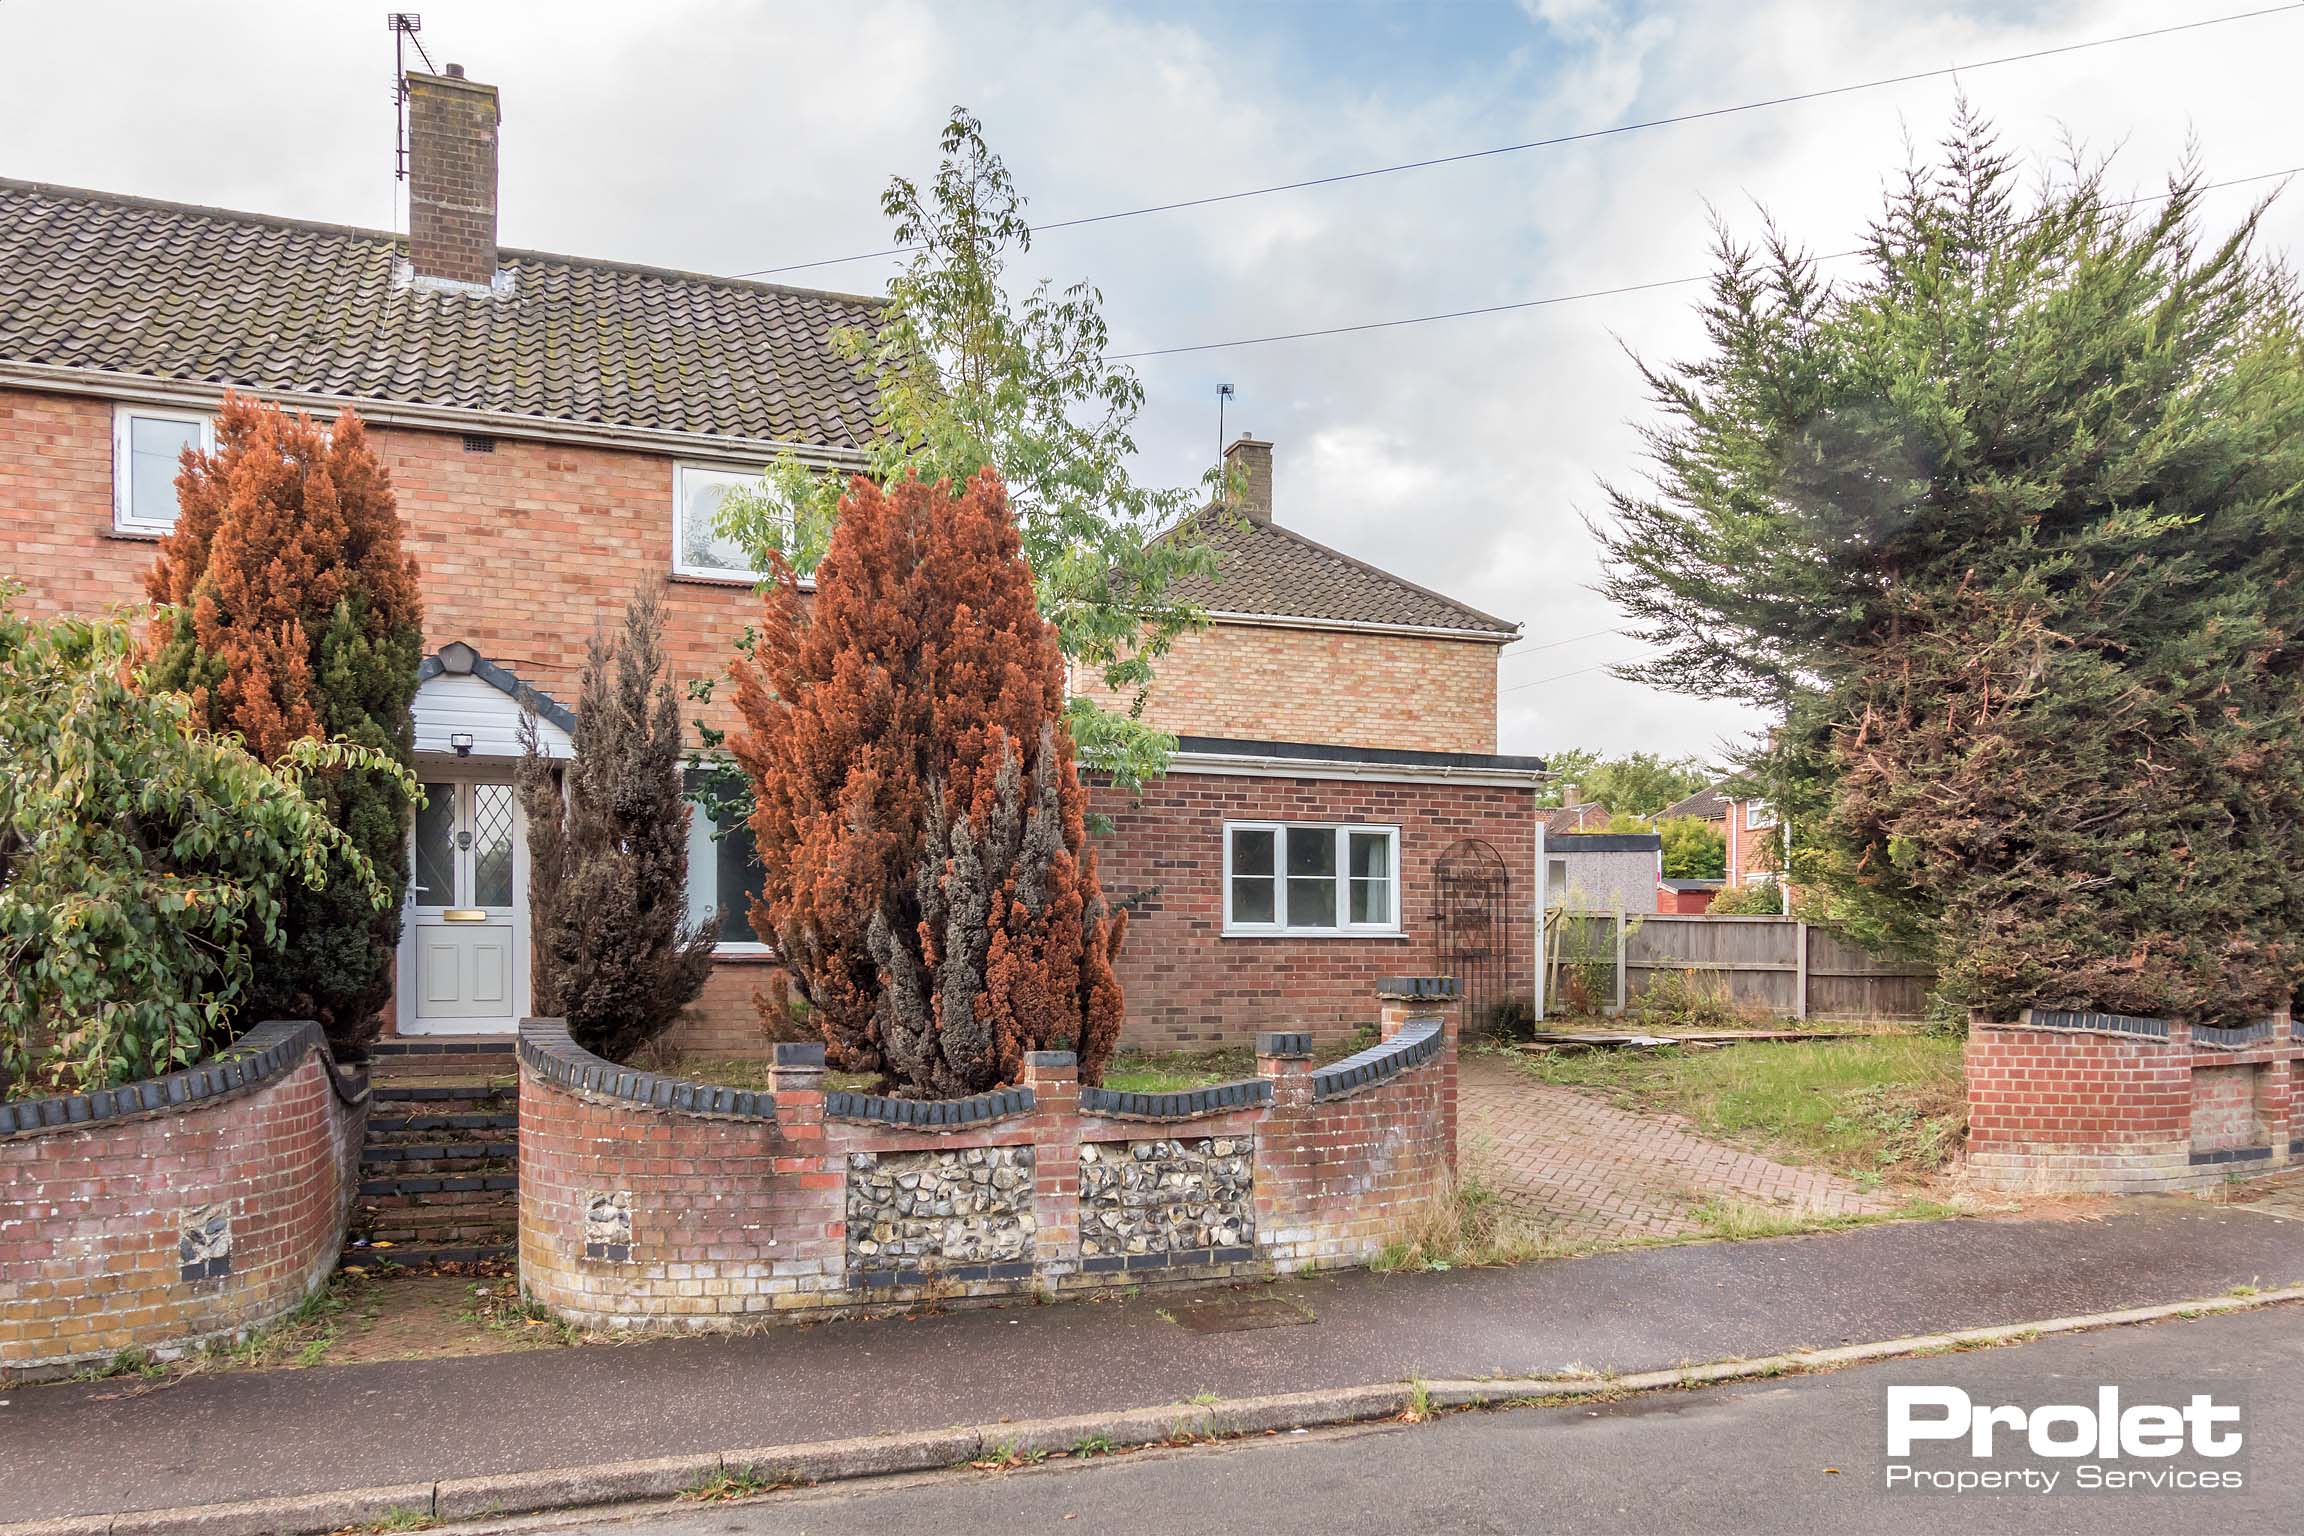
1588, 1172
128, 1445
1799, 1457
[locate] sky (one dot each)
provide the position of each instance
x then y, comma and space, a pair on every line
724, 136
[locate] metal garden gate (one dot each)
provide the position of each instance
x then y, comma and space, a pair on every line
1471, 887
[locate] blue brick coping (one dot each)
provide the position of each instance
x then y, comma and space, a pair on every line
1189, 1104
1419, 1041
1423, 989
267, 1052
2238, 1038
2101, 1023
929, 1114
547, 1050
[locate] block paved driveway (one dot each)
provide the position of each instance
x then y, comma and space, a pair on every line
1586, 1171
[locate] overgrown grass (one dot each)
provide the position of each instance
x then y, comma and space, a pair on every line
1894, 1106
744, 1072
1178, 1071
1471, 1228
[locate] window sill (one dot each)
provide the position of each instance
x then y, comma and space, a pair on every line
731, 579
138, 535
749, 955
1381, 935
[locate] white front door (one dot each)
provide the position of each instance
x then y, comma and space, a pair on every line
464, 954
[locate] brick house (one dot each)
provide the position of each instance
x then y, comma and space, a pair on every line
1755, 842
559, 431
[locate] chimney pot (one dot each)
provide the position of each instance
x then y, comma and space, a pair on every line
1250, 459
452, 125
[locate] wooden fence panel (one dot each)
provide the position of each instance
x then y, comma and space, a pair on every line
1781, 964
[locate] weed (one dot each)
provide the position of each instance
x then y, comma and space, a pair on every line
398, 1518
1419, 1406
133, 1361
1471, 1227
1094, 1445
736, 1483
1008, 1455
1204, 1399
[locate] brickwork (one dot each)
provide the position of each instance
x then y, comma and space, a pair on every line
1190, 987
168, 1226
645, 1203
452, 178
2118, 1110
1335, 687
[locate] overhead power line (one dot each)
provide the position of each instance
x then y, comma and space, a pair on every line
1567, 298
1525, 649
1820, 94
1598, 666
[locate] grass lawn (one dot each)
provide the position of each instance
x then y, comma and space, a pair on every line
1893, 1108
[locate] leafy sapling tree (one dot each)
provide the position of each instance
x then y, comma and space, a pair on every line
294, 613
616, 954
2005, 531
966, 377
145, 863
919, 818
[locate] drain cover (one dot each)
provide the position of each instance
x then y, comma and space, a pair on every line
1236, 1314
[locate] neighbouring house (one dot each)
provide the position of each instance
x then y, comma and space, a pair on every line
1687, 898
1576, 814
1755, 842
559, 431
1601, 871
1707, 804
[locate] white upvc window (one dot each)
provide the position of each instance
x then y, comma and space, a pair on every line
1311, 878
723, 877
1757, 815
148, 444
698, 547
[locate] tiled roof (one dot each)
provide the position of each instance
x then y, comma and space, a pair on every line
1270, 572
1575, 818
1707, 804
203, 296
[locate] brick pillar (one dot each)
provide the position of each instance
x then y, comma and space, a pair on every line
816, 1251
1401, 998
1054, 1078
1284, 1163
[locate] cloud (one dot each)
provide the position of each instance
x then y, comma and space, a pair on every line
726, 137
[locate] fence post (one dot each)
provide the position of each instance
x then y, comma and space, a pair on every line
1621, 979
1800, 972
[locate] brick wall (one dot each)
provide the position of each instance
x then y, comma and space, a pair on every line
156, 1229
1335, 687
645, 1203
2126, 1109
1190, 987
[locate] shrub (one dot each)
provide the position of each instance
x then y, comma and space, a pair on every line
1754, 898
1692, 999
143, 861
296, 614
918, 817
615, 953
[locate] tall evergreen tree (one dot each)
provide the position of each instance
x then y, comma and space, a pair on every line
2006, 531
615, 952
296, 614
918, 815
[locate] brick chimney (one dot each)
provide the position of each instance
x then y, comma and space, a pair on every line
452, 177
1251, 459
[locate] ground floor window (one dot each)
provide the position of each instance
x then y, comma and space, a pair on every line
723, 870
1297, 877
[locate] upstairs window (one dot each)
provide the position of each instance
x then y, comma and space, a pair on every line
1296, 878
698, 547
1757, 815
723, 876
148, 446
